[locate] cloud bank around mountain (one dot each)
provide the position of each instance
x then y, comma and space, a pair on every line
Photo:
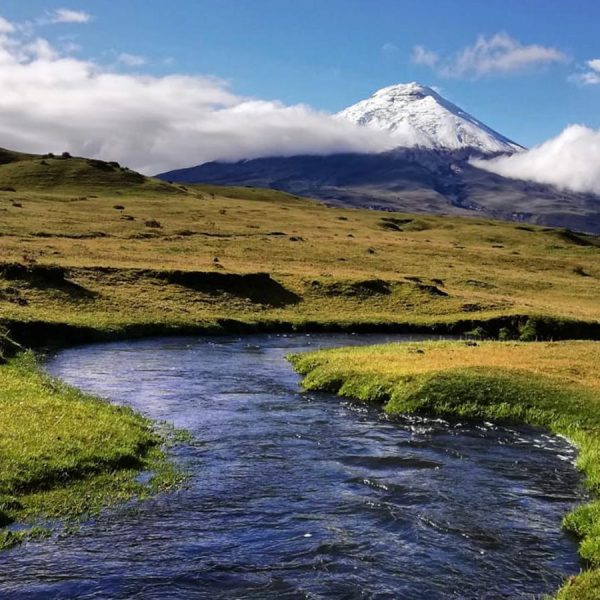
571, 161
54, 102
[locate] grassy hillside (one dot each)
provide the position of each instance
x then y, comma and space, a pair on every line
19, 172
553, 385
8, 156
99, 246
62, 452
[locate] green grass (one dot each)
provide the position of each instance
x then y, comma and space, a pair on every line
65, 454
8, 156
118, 236
65, 174
550, 385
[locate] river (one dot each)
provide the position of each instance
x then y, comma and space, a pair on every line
294, 495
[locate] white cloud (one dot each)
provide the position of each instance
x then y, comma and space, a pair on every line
570, 161
39, 50
422, 56
69, 47
52, 102
66, 15
590, 76
6, 26
489, 55
587, 78
390, 50
594, 64
131, 60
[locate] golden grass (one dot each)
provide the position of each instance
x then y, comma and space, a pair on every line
481, 268
570, 363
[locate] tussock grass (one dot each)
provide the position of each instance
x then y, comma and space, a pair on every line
100, 252
64, 453
428, 269
551, 385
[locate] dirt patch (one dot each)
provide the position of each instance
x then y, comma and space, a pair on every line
71, 236
431, 290
478, 284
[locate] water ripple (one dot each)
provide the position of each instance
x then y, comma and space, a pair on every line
302, 496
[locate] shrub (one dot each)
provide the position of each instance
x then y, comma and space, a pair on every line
505, 334
479, 333
528, 331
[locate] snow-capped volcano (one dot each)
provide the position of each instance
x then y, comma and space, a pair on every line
428, 171
419, 116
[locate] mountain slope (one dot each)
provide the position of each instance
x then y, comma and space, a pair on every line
412, 180
419, 116
430, 174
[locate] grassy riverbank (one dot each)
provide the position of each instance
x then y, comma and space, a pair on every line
66, 454
551, 385
92, 251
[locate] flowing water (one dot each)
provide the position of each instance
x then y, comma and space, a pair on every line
296, 495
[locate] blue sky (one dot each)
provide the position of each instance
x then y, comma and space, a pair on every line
159, 85
331, 54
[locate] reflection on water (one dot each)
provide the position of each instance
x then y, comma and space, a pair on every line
302, 495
